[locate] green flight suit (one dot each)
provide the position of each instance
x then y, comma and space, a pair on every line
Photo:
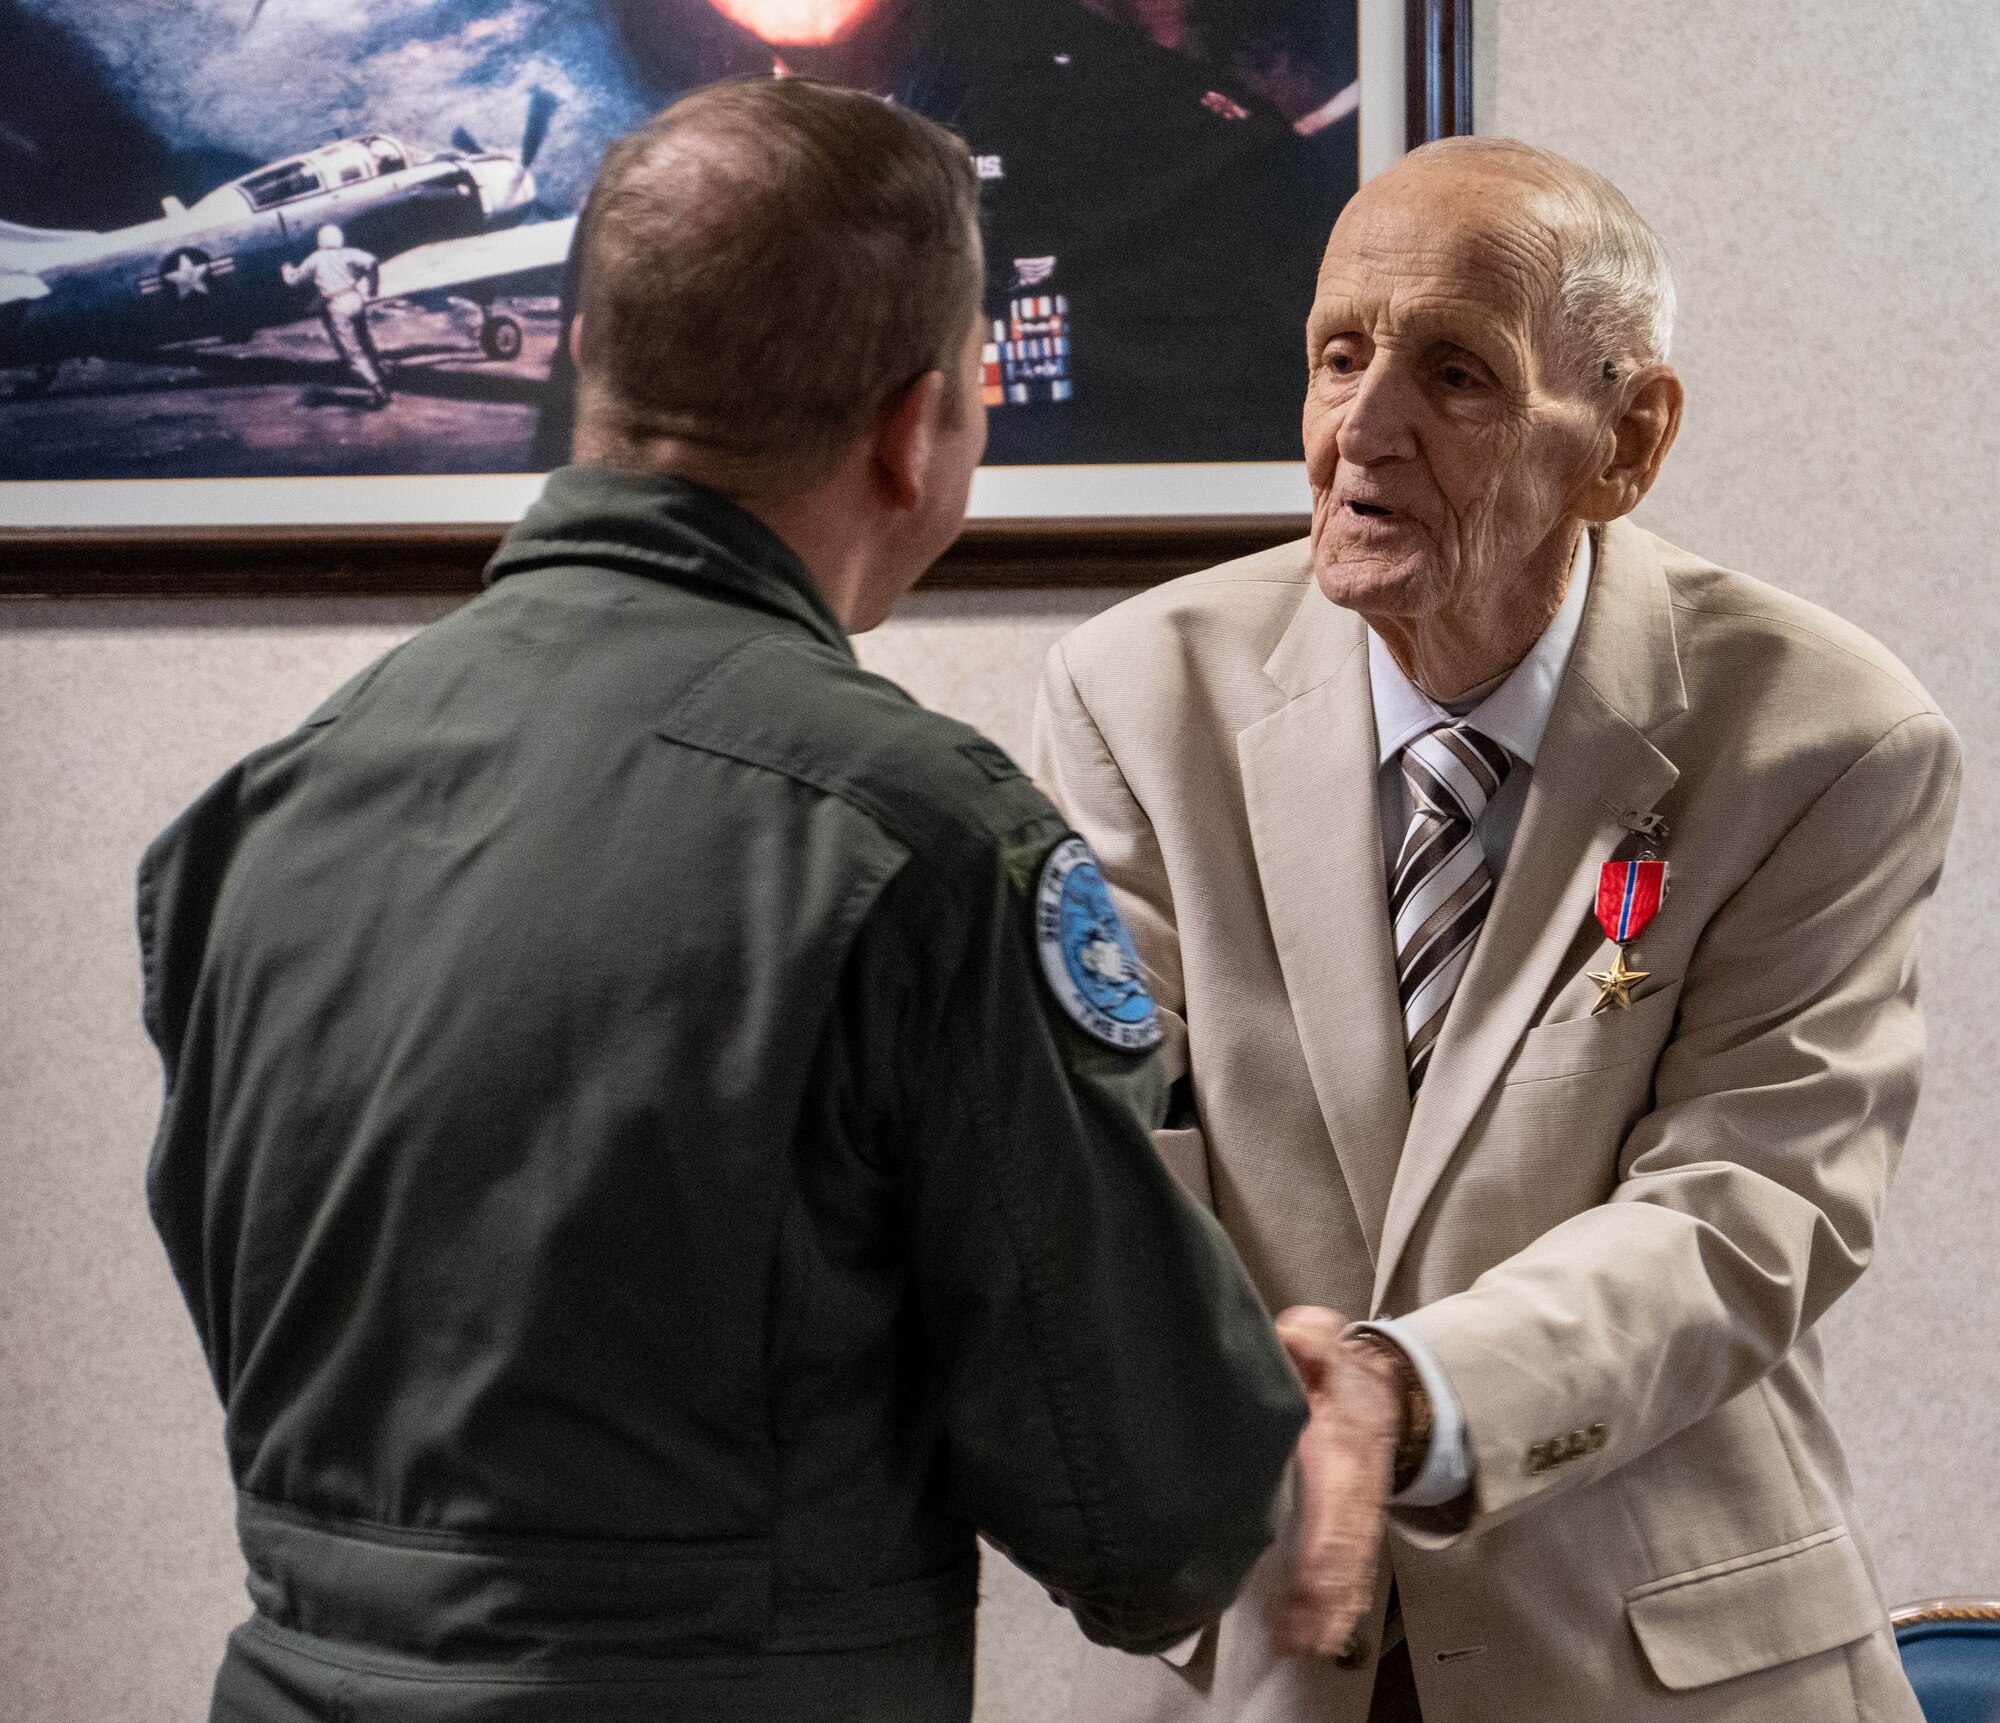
644, 1198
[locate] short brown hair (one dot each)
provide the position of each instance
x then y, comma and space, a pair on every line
764, 263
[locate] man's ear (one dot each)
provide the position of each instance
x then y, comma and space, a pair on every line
903, 438
576, 341
1648, 421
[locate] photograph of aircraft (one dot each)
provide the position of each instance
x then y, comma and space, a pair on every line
462, 223
329, 238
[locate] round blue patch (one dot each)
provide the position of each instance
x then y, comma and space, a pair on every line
1088, 957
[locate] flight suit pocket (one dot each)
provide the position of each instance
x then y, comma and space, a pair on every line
1755, 1612
1599, 1042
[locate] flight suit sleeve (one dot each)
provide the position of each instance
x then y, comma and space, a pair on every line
1118, 1411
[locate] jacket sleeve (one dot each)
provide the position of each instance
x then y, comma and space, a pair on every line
1750, 1194
180, 880
1119, 1414
1074, 766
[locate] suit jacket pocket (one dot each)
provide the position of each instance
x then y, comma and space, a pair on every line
1755, 1611
1596, 1043
1186, 1155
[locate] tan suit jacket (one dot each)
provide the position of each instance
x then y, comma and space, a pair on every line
1615, 1230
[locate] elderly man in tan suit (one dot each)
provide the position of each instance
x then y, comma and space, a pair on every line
1594, 1174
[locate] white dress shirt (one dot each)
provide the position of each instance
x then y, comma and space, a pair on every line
1515, 714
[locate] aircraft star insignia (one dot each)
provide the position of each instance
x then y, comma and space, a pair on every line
189, 274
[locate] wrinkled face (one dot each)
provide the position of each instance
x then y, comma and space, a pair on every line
1443, 440
797, 23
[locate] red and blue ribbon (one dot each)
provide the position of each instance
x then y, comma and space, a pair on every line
1628, 897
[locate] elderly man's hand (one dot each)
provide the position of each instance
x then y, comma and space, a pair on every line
1346, 1461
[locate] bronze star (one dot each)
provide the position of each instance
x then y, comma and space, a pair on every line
1614, 985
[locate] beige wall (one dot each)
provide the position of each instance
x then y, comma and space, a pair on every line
1825, 174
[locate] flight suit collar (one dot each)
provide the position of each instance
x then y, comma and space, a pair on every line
668, 529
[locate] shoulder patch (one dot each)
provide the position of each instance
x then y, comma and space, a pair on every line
1088, 957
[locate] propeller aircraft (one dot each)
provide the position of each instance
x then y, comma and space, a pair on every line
460, 224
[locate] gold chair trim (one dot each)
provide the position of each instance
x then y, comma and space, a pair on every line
1941, 1609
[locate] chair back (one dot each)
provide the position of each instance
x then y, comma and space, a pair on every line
1951, 1653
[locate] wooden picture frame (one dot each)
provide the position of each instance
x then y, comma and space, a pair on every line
1001, 551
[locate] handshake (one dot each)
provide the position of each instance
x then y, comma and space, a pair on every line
1368, 1423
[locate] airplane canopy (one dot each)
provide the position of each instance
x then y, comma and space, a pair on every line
322, 169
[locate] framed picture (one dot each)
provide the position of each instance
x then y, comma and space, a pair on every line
284, 286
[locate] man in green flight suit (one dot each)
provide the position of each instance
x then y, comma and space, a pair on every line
655, 1139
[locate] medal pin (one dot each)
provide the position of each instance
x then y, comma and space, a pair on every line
1629, 894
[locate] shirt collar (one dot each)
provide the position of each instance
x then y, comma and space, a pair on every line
1516, 713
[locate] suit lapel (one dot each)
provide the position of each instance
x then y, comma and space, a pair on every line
1595, 773
1309, 774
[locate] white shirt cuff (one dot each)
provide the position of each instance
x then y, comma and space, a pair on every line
1447, 1468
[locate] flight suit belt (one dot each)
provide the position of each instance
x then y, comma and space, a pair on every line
551, 1604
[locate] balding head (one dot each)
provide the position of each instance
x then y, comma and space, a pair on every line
764, 265
1488, 346
1607, 283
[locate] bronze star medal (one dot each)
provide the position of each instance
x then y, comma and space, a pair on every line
1629, 895
1614, 985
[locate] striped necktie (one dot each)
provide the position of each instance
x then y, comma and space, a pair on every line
1441, 889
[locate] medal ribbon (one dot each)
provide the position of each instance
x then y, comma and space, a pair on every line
1628, 897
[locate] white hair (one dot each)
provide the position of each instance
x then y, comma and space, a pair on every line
1614, 299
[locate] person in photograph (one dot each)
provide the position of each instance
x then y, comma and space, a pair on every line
343, 279
1532, 907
